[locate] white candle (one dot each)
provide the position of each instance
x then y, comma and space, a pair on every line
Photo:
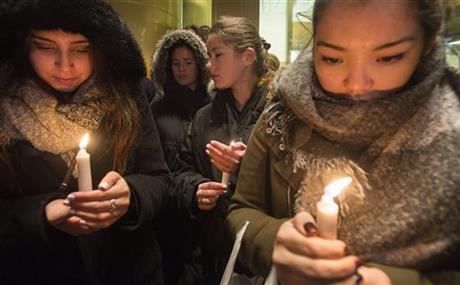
226, 175
84, 166
225, 178
327, 210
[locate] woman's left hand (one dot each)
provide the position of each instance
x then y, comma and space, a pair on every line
102, 207
226, 157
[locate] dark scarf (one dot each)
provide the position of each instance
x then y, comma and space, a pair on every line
402, 208
182, 101
35, 115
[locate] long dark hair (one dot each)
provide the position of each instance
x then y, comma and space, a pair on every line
123, 122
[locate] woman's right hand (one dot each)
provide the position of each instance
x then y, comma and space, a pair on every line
58, 215
300, 257
208, 193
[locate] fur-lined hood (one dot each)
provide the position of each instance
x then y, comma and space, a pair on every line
95, 19
161, 56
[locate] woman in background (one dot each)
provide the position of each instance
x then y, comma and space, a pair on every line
376, 101
72, 67
237, 65
181, 78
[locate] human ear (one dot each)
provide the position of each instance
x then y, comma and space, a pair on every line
249, 56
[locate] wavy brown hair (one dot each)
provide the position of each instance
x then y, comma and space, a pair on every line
240, 33
123, 121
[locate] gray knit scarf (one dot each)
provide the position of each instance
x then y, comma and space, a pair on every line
403, 207
34, 115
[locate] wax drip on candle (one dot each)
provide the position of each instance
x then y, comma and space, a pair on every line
327, 209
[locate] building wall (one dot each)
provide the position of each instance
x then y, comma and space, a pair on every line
149, 20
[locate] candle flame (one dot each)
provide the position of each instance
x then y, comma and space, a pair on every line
84, 141
333, 189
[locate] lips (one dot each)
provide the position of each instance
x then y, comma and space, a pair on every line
66, 80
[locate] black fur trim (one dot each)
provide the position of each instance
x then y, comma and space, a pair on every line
95, 19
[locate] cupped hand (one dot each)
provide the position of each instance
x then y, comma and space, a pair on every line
102, 207
208, 193
300, 257
59, 216
226, 157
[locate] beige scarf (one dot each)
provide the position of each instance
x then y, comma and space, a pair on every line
34, 115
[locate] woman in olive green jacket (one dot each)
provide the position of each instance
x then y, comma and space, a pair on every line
374, 101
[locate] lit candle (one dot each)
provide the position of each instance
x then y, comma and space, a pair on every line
84, 166
327, 210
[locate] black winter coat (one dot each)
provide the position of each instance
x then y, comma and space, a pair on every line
174, 112
215, 121
176, 231
33, 252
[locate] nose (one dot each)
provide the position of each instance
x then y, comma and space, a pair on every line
209, 66
358, 80
64, 61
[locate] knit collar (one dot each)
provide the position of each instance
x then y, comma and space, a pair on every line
34, 114
351, 122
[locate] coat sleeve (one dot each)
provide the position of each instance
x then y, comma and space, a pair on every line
187, 178
23, 221
150, 180
251, 202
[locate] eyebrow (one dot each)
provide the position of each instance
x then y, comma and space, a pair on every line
48, 40
384, 46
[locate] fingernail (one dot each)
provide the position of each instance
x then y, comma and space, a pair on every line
81, 221
224, 186
66, 202
359, 263
72, 211
358, 278
310, 229
208, 145
225, 192
71, 197
104, 185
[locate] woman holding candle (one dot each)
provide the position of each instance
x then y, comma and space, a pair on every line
237, 64
70, 68
375, 101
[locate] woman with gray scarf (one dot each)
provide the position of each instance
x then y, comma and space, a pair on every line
374, 101
70, 68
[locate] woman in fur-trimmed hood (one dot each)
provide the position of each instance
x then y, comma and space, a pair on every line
70, 68
382, 108
180, 77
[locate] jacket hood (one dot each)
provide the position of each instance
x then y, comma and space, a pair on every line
161, 56
94, 19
